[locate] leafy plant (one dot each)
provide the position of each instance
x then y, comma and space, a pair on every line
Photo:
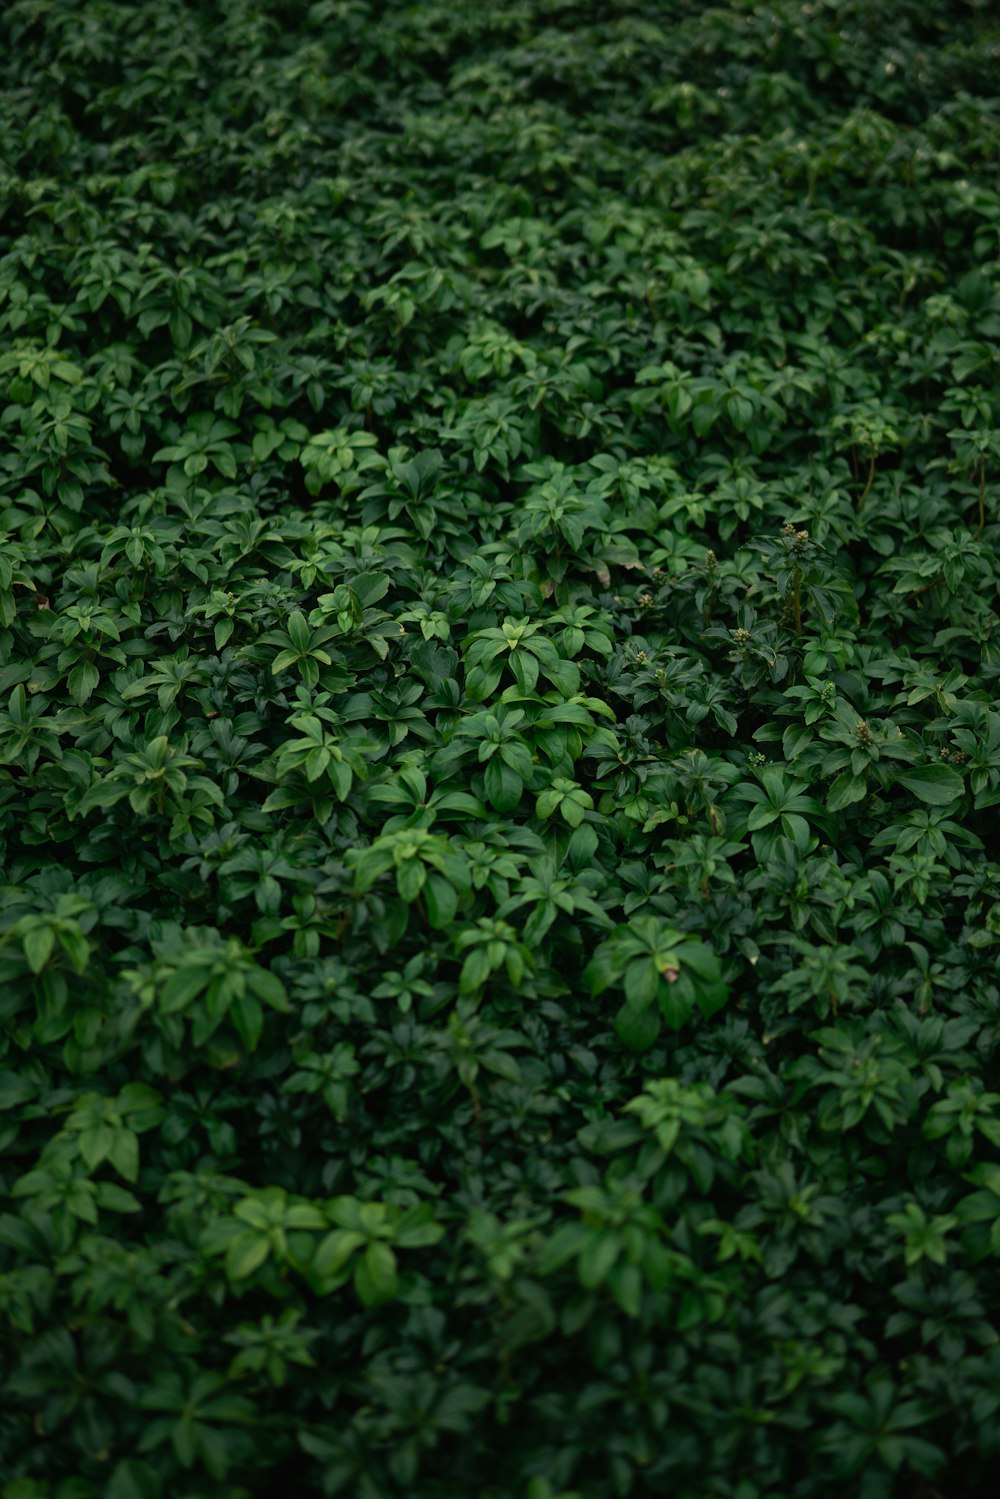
499, 756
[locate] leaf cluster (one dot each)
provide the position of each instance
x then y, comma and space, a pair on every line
499, 749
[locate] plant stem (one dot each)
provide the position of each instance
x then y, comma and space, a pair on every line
926, 587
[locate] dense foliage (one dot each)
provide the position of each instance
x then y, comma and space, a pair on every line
500, 757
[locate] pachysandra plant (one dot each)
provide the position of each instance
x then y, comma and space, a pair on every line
499, 754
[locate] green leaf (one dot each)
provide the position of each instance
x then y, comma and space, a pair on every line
676, 1002
124, 1154
38, 944
845, 790
134, 1479
503, 786
761, 816
182, 987
637, 1029
82, 681
334, 1251
375, 1276
115, 1199
626, 1287
711, 996
246, 1253
410, 879
699, 959
642, 982
441, 901
600, 1253
14, 1090
937, 785
268, 987
248, 1019
417, 1228
370, 587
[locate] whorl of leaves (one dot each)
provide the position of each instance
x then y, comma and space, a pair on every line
499, 750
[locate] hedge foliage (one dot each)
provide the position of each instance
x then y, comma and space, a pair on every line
500, 757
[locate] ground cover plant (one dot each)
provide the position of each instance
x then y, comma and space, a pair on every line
500, 757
